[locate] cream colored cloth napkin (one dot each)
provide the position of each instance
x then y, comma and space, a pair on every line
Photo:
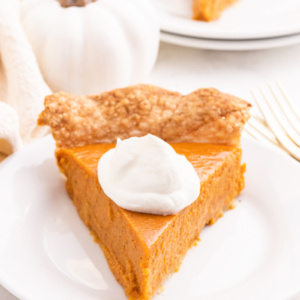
22, 87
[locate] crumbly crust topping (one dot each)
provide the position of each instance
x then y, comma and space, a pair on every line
204, 116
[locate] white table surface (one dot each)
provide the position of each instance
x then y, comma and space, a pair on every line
185, 69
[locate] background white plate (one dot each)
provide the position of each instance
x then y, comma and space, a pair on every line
253, 252
230, 45
246, 19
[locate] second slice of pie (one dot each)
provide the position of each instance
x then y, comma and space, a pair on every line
209, 10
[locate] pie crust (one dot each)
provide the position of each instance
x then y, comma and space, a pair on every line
204, 116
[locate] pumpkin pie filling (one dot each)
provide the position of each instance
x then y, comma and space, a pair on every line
142, 249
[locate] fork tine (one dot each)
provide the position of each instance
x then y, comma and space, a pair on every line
263, 130
275, 125
258, 118
255, 133
283, 119
286, 105
295, 111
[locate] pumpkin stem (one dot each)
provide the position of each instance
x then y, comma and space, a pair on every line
69, 3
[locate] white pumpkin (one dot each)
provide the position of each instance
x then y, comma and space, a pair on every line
89, 49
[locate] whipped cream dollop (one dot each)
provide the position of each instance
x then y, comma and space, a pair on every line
145, 174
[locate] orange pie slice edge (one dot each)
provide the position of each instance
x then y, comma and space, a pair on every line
143, 250
209, 10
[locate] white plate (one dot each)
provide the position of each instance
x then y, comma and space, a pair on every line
233, 45
46, 252
246, 19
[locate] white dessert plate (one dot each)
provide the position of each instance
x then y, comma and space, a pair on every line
253, 252
245, 19
230, 45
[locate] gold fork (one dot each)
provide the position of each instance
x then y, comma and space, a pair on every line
277, 121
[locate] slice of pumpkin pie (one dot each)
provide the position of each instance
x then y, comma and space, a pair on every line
142, 248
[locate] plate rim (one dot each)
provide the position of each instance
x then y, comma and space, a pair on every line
191, 28
229, 45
